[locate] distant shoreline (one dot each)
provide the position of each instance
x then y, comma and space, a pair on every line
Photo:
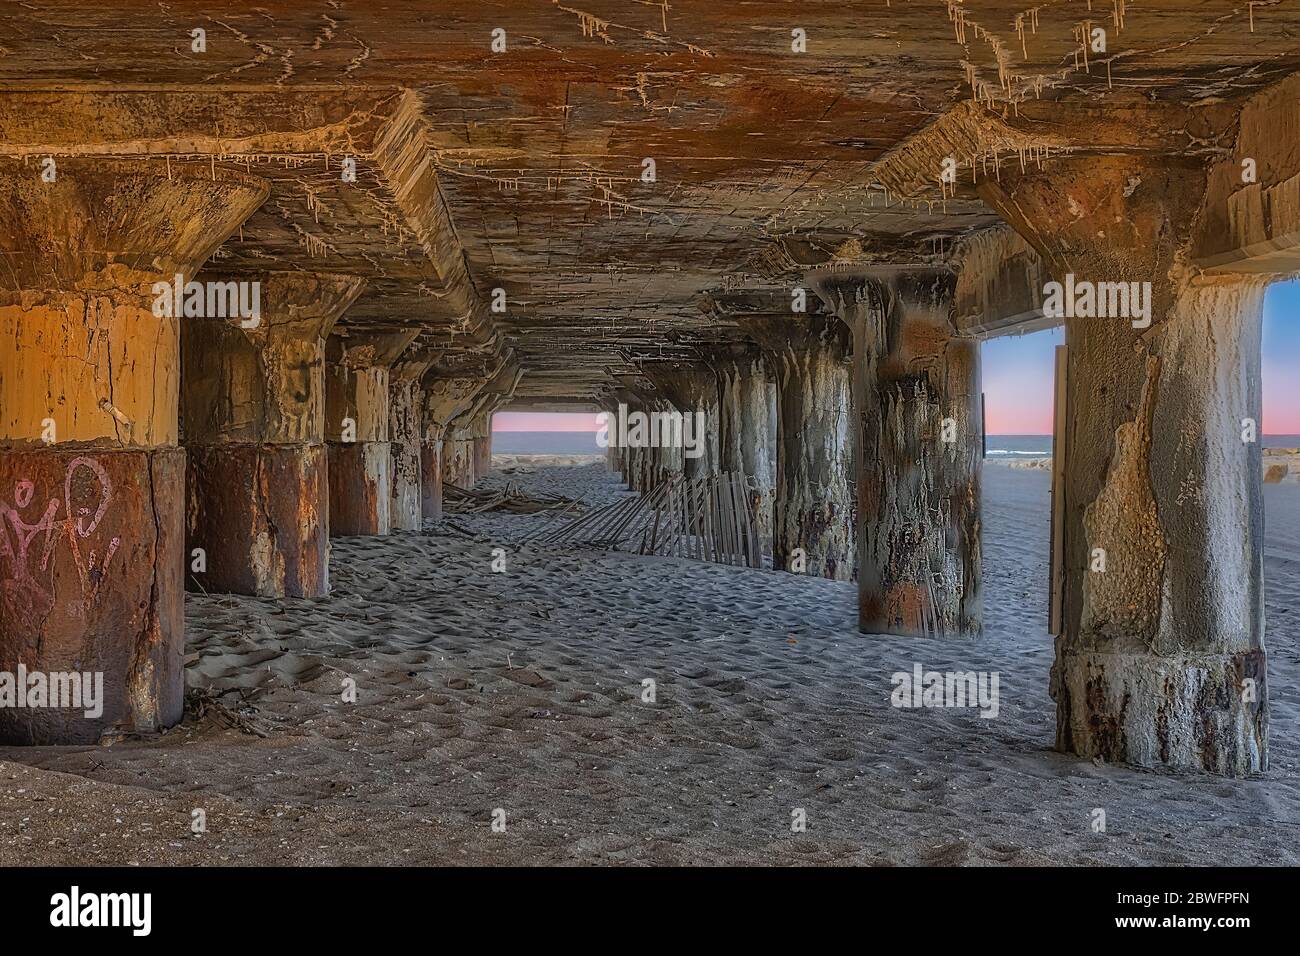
1281, 465
1001, 449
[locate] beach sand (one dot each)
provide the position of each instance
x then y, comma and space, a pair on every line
530, 462
523, 691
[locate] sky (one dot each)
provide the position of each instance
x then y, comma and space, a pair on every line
544, 422
1017, 377
1017, 372
1282, 359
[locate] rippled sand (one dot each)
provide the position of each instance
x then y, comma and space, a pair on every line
523, 691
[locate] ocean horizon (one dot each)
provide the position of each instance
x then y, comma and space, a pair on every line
584, 443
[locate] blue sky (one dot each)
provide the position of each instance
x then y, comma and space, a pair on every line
1017, 372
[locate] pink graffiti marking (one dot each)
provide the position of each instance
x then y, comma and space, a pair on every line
17, 537
91, 577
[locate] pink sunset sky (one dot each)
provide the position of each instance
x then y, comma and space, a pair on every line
544, 422
1017, 379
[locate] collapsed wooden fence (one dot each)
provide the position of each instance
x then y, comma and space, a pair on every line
457, 500
708, 519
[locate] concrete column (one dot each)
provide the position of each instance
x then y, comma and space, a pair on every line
613, 456
464, 461
483, 453
645, 467
629, 468
356, 428
1161, 658
661, 460
813, 514
406, 443
431, 479
502, 389
447, 394
747, 427
639, 461
253, 409
458, 454
480, 441
628, 398
774, 414
91, 476
669, 460
692, 387
631, 399
918, 450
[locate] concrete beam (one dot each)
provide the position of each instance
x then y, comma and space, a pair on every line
1250, 218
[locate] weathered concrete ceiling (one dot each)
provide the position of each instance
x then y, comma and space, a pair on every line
522, 170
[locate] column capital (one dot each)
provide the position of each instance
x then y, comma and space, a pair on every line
731, 352
795, 332
411, 366
684, 382
111, 226
83, 255
850, 292
307, 303
368, 348
446, 399
1115, 218
263, 383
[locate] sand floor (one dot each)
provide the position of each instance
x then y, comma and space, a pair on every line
523, 691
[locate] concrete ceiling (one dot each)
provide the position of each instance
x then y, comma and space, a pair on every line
523, 170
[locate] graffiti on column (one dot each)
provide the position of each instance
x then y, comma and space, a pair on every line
28, 548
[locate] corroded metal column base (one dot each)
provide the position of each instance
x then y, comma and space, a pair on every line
360, 483
1149, 711
258, 512
90, 582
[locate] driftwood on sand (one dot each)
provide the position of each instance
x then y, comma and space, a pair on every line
511, 498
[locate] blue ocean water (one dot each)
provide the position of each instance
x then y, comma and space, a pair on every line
1019, 446
1040, 446
545, 443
